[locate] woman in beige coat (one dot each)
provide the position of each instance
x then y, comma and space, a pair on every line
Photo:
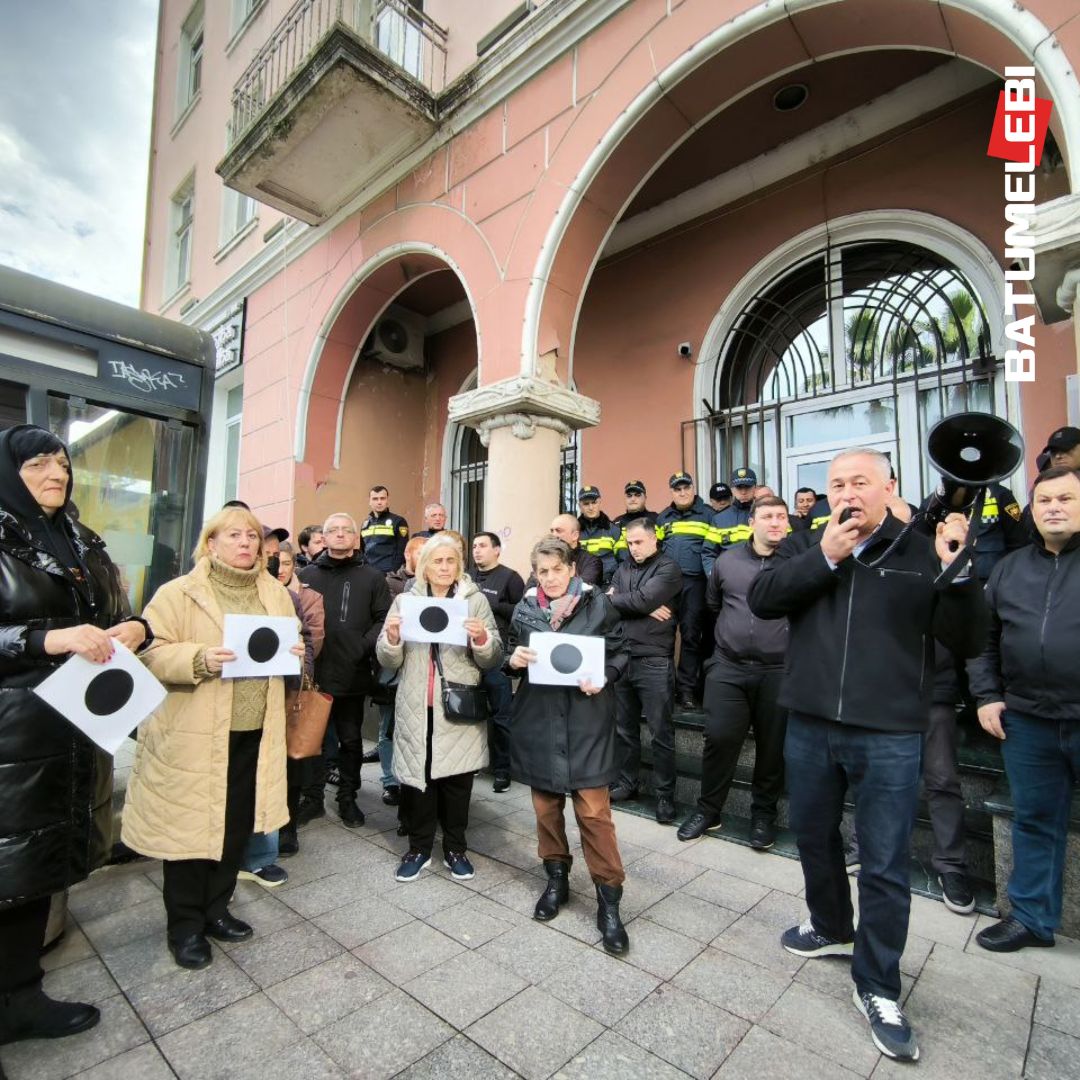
435, 758
210, 764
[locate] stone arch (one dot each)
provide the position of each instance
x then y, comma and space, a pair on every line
351, 300
667, 88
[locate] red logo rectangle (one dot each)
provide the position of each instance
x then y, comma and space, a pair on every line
1032, 124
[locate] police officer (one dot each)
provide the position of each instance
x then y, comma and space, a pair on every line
686, 524
635, 510
731, 526
720, 497
599, 534
384, 533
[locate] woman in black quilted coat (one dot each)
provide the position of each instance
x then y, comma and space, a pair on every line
59, 594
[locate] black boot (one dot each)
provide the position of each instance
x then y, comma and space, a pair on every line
557, 891
29, 1014
608, 921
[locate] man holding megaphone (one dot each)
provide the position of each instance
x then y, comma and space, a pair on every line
865, 598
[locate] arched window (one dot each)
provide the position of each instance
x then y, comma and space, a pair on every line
866, 343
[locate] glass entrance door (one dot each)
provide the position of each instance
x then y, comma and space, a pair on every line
132, 486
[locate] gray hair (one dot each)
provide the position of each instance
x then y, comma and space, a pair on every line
551, 545
341, 514
431, 546
434, 506
884, 466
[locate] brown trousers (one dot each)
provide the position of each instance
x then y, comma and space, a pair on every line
592, 808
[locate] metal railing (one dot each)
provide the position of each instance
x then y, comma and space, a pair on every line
405, 35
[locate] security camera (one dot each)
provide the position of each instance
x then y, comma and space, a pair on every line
686, 350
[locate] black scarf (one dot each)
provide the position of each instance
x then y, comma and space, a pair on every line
50, 533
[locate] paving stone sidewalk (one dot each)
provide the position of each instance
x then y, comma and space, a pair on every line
352, 974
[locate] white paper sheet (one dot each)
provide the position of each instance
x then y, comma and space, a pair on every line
104, 701
566, 659
434, 619
261, 644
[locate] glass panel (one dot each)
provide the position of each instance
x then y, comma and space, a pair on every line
12, 405
944, 401
842, 422
132, 476
751, 445
234, 402
232, 459
813, 474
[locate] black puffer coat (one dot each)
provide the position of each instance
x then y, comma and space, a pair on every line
560, 739
55, 784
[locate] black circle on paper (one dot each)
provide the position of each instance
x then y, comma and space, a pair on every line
434, 619
108, 692
566, 659
263, 645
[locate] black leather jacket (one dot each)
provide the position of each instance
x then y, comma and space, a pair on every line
55, 784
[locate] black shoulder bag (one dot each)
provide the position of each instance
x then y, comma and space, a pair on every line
461, 704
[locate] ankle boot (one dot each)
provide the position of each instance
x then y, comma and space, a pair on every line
557, 891
30, 1014
608, 921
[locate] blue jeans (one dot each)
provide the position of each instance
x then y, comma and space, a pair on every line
1042, 762
501, 697
386, 745
261, 850
882, 770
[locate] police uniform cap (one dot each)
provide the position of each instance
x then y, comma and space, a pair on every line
743, 478
680, 478
589, 491
634, 487
1063, 439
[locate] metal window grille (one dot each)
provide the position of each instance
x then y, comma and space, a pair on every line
870, 340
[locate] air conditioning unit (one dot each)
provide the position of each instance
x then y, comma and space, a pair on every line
398, 340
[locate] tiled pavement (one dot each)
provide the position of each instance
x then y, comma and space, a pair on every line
352, 974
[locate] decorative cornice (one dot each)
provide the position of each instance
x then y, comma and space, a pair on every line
1056, 224
522, 425
524, 398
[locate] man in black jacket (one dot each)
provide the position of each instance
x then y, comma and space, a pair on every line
588, 567
356, 600
503, 588
645, 592
863, 603
742, 683
1028, 691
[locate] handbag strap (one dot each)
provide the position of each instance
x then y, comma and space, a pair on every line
436, 655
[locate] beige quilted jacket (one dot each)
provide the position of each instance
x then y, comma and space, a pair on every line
457, 748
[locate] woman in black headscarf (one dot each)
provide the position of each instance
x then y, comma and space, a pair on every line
59, 594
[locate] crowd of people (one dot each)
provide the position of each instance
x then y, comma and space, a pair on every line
847, 633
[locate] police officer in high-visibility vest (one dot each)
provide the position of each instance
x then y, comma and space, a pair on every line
686, 524
599, 534
635, 509
384, 533
731, 526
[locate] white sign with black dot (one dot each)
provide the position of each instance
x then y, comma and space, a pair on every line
434, 619
566, 659
106, 702
261, 644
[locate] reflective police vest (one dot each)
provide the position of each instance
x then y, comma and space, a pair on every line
385, 536
684, 534
599, 537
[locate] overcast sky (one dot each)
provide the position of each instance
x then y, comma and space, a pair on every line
76, 85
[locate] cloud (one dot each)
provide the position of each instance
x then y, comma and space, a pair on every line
74, 141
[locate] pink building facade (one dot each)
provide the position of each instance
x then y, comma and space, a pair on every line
490, 251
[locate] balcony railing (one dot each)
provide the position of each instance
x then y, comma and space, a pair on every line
405, 35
